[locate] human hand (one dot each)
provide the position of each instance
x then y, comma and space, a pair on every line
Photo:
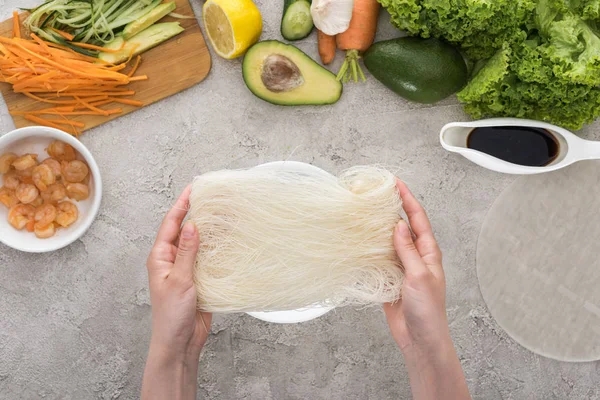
177, 327
419, 318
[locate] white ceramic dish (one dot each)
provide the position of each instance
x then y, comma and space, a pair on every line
453, 138
35, 139
308, 313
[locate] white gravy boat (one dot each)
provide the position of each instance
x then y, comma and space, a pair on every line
571, 148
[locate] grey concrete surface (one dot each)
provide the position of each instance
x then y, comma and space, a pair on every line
75, 324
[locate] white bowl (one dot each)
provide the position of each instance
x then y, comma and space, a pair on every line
35, 139
307, 313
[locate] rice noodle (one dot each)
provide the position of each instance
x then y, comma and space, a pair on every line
275, 239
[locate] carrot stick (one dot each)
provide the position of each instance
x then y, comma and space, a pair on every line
127, 101
72, 124
16, 25
55, 64
30, 95
357, 38
92, 47
135, 66
45, 122
138, 78
99, 103
127, 93
41, 43
55, 112
66, 122
327, 47
72, 83
91, 107
64, 34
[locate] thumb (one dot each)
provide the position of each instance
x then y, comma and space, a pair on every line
185, 261
406, 250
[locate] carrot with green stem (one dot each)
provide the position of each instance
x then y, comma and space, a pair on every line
357, 38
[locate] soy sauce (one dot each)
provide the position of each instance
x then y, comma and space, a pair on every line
532, 147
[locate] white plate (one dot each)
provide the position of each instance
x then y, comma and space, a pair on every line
35, 139
308, 313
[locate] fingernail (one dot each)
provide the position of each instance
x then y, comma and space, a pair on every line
402, 227
188, 230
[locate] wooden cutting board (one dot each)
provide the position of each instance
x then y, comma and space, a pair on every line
172, 66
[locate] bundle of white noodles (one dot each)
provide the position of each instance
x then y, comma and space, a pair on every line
274, 239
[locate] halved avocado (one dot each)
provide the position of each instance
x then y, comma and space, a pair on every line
282, 74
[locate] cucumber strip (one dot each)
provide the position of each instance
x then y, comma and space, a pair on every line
296, 22
180, 16
90, 21
76, 49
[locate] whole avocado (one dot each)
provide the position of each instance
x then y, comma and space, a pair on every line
420, 70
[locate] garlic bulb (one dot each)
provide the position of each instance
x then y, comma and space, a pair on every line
332, 16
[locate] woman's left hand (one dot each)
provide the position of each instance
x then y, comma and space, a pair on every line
178, 328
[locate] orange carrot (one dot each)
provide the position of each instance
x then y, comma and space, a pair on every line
73, 84
16, 25
92, 47
91, 107
358, 38
66, 122
103, 93
44, 122
64, 34
135, 66
327, 47
60, 112
98, 103
138, 78
127, 101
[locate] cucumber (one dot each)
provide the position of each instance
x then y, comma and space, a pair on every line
421, 70
135, 27
296, 22
145, 40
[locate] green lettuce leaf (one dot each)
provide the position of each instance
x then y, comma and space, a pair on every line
570, 42
479, 27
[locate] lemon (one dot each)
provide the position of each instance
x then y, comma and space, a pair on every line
232, 26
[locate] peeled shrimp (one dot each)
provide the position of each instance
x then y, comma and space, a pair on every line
74, 171
67, 213
61, 151
26, 193
6, 161
25, 162
54, 166
54, 193
43, 176
45, 215
77, 191
26, 175
8, 197
11, 180
37, 202
20, 215
44, 232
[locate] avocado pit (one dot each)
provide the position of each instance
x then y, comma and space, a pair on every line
280, 74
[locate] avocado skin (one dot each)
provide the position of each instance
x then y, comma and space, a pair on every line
420, 70
254, 83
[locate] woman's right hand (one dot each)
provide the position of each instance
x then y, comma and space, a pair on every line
418, 321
